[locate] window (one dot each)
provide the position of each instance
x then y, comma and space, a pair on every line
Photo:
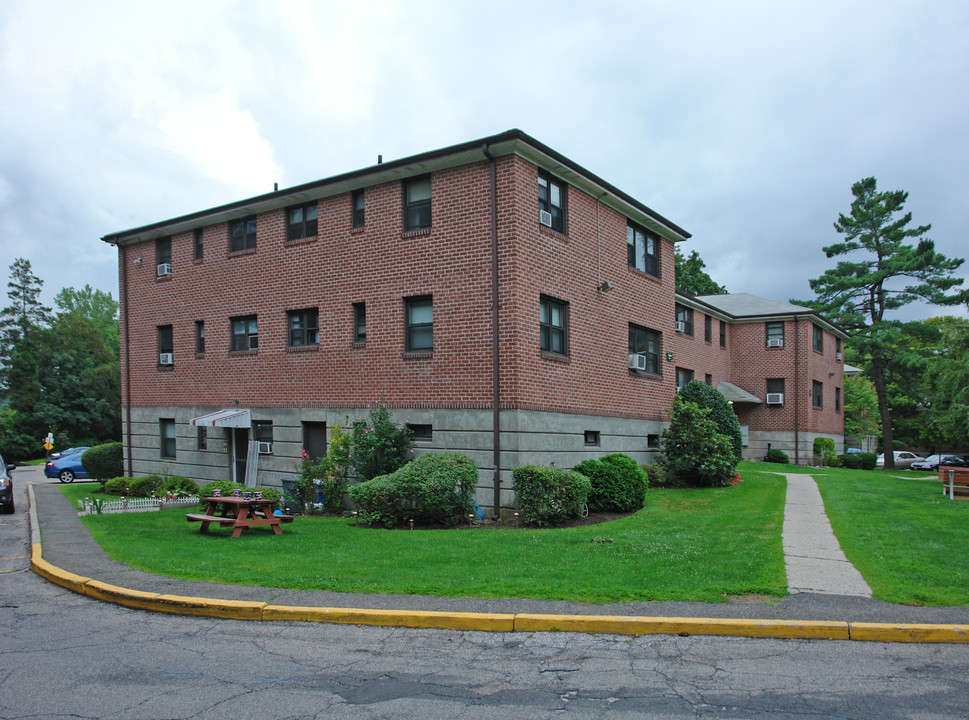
163, 253
775, 385
723, 333
242, 234
837, 399
642, 249
301, 222
551, 200
245, 335
199, 337
645, 342
708, 379
166, 432
360, 322
262, 431
417, 204
818, 339
817, 394
304, 327
202, 438
683, 376
421, 432
592, 438
837, 347
652, 442
707, 328
358, 209
166, 343
419, 328
553, 326
775, 334
684, 320
198, 243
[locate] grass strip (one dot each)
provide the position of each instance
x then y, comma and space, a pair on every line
905, 538
685, 544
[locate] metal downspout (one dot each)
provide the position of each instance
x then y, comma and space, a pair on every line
122, 253
495, 344
797, 393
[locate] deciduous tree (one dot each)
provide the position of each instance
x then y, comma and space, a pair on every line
691, 278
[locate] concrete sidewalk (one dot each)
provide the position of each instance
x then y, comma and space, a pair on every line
69, 547
813, 557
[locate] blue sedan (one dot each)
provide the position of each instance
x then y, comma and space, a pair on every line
67, 467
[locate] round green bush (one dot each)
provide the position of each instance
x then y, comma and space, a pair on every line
721, 413
549, 496
146, 485
104, 461
777, 456
227, 486
179, 485
618, 483
436, 488
117, 485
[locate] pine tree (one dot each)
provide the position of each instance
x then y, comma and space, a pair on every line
24, 314
859, 295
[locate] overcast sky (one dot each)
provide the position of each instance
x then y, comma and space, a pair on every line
744, 123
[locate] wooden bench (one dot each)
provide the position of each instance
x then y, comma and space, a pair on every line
199, 517
957, 485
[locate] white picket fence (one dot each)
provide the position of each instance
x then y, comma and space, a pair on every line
87, 507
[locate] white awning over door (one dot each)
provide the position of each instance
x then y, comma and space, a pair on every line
224, 418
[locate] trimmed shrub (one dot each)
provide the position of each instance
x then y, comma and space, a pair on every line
655, 474
548, 496
104, 461
777, 456
146, 485
179, 485
720, 412
117, 485
869, 461
824, 451
618, 483
696, 452
436, 488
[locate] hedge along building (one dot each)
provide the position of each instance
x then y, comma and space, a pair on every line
502, 300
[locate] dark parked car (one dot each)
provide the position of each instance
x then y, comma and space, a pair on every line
6, 487
67, 468
932, 462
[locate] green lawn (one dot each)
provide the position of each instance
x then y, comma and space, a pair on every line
907, 540
684, 545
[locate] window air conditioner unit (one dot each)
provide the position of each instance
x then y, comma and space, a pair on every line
775, 342
166, 359
837, 356
265, 448
680, 326
164, 269
775, 398
545, 218
637, 362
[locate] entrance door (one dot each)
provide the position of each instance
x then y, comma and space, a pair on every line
240, 437
314, 439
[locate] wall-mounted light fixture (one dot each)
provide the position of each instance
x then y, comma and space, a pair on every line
604, 286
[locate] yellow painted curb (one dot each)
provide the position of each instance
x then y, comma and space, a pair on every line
74, 583
918, 633
185, 605
121, 596
622, 625
492, 622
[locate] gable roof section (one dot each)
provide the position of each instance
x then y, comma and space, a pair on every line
511, 142
744, 307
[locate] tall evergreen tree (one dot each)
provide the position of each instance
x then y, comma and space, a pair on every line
859, 295
691, 278
24, 314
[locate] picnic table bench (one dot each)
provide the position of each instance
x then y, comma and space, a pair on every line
955, 480
239, 513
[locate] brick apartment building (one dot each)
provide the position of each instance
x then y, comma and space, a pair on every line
503, 300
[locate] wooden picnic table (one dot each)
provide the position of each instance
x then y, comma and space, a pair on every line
239, 513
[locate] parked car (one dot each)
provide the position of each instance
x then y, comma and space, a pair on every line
68, 451
67, 468
903, 459
6, 487
932, 462
852, 451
